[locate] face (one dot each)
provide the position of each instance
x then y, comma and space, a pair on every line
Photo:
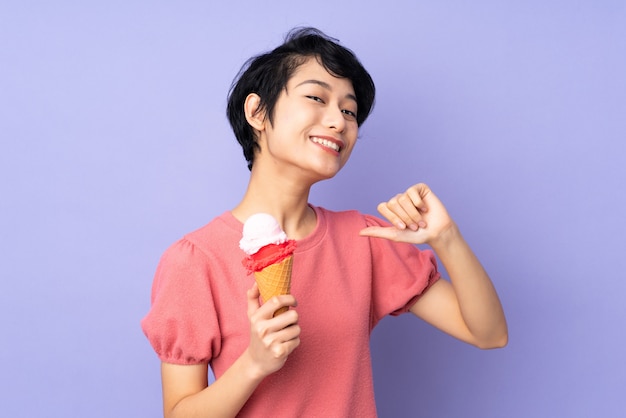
314, 127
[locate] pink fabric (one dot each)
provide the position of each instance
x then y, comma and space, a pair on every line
344, 285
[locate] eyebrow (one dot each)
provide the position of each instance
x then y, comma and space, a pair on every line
326, 86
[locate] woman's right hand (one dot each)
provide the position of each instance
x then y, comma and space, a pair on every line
272, 339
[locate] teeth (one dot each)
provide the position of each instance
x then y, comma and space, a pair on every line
326, 143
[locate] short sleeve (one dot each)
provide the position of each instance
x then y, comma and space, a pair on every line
401, 274
182, 324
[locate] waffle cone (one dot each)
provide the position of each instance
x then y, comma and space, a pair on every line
274, 280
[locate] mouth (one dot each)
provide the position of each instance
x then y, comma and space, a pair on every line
329, 143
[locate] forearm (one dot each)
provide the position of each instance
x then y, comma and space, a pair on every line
478, 301
223, 398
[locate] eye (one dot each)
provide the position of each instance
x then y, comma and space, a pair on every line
315, 98
349, 113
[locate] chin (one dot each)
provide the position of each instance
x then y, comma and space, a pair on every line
322, 176
329, 173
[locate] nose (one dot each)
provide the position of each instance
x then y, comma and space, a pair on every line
334, 119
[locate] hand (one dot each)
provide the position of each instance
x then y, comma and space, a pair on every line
272, 339
418, 217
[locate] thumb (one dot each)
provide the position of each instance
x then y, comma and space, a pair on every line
253, 299
379, 232
394, 234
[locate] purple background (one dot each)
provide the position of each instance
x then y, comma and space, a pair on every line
115, 143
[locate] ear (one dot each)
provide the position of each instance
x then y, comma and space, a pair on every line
254, 116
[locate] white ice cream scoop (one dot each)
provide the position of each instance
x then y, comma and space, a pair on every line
259, 230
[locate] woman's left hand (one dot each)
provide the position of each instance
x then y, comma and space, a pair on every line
417, 216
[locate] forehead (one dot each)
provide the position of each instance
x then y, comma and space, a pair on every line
313, 71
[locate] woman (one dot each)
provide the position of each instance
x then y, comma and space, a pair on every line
296, 112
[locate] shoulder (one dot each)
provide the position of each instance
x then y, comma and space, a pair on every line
348, 217
196, 249
221, 231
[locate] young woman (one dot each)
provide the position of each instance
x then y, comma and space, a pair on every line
296, 112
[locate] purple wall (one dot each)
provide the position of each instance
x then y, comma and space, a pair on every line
114, 143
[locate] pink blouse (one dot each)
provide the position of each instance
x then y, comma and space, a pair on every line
344, 285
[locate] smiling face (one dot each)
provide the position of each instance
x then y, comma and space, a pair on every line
314, 126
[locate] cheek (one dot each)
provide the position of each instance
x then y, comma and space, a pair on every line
348, 152
352, 138
290, 120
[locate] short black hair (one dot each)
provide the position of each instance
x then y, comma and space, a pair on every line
267, 75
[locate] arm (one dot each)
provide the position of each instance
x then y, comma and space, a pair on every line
468, 307
186, 392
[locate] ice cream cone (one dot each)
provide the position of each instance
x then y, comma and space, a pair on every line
269, 255
274, 280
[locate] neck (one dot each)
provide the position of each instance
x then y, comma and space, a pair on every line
285, 198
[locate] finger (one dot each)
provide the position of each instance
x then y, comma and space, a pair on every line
277, 330
291, 339
418, 208
285, 320
292, 344
417, 194
275, 303
389, 233
386, 210
287, 338
281, 351
409, 207
288, 333
395, 234
401, 212
253, 299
